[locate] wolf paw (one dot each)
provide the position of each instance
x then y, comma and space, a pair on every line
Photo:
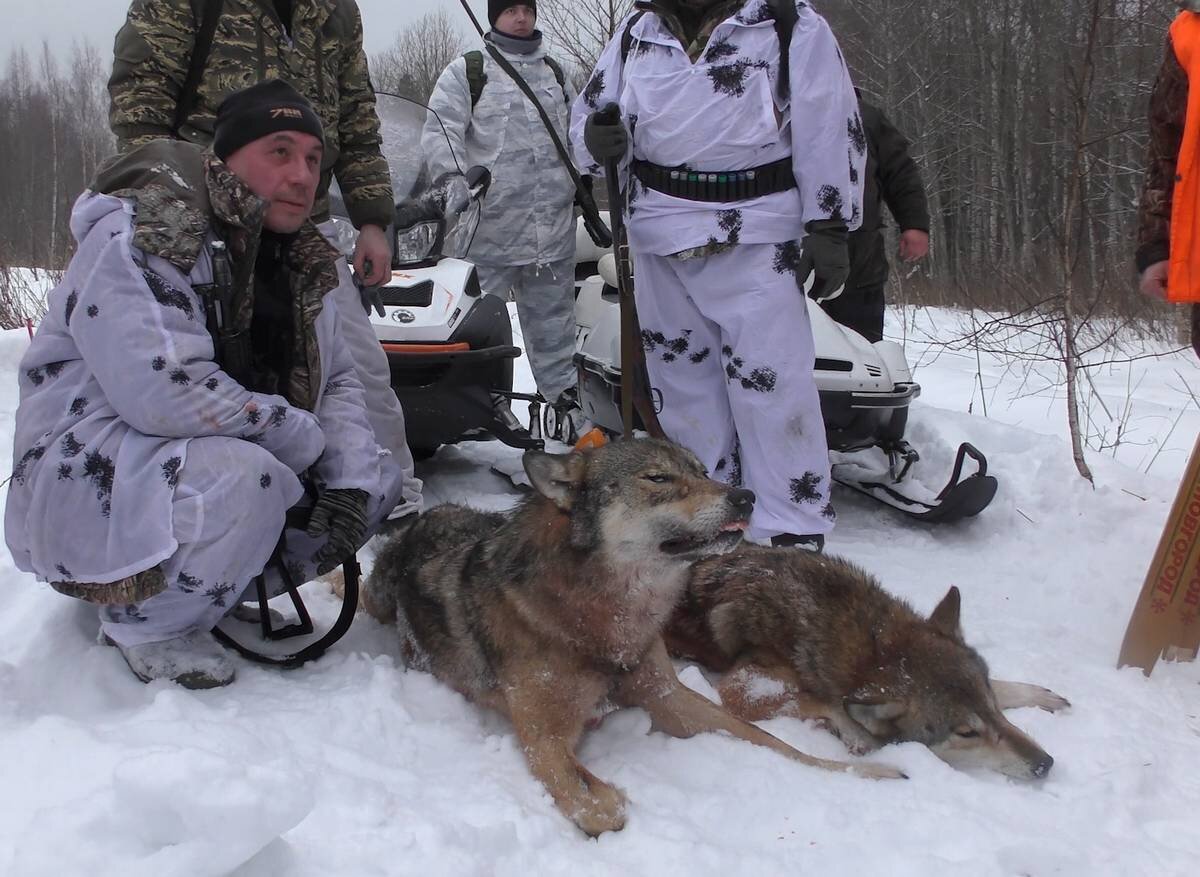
1045, 699
1011, 695
874, 771
603, 809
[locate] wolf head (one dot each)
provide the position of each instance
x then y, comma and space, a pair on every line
930, 687
641, 500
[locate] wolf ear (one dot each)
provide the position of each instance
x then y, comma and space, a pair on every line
945, 615
878, 718
554, 476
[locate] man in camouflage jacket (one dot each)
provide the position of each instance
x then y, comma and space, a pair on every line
316, 47
151, 477
1168, 110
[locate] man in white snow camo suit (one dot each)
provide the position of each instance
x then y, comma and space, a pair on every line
152, 467
525, 243
739, 179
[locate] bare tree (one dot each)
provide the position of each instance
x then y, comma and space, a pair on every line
418, 56
53, 135
580, 29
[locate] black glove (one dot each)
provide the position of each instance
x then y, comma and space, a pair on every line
370, 295
343, 515
825, 255
604, 134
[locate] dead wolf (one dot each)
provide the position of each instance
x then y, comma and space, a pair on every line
815, 637
550, 612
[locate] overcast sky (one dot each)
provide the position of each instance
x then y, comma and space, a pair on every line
59, 22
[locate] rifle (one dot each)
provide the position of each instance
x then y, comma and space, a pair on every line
635, 382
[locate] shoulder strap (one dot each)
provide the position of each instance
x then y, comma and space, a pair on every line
627, 35
785, 23
206, 13
476, 78
559, 76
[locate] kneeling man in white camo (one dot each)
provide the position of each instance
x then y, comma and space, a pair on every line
187, 388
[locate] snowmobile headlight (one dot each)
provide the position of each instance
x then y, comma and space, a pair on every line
416, 243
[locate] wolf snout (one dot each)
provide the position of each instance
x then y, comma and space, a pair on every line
742, 501
1042, 766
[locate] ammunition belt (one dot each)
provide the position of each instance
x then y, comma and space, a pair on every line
717, 186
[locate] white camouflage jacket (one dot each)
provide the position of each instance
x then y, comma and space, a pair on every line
528, 216
117, 381
722, 113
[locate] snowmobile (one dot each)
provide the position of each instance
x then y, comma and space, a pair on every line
865, 390
449, 347
451, 353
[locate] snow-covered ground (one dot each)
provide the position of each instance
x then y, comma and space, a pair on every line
352, 766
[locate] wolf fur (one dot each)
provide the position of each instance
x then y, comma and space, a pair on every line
547, 613
815, 637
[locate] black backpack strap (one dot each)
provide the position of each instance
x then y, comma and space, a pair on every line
560, 76
205, 13
785, 23
627, 35
476, 78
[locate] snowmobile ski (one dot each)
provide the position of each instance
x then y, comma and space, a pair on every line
960, 498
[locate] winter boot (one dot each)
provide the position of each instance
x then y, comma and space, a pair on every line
814, 542
193, 660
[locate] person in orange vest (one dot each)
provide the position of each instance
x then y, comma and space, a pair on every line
1168, 239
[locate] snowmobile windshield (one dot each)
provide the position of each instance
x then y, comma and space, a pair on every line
402, 122
428, 181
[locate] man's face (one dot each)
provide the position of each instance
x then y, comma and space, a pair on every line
283, 169
517, 21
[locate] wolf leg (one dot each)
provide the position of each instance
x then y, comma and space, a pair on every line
677, 710
1010, 695
754, 693
549, 711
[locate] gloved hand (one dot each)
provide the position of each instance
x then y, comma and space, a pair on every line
826, 256
604, 134
370, 295
343, 515
453, 193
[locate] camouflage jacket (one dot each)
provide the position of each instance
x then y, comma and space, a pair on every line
121, 375
1168, 107
182, 198
323, 58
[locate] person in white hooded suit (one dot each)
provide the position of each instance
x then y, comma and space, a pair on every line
525, 242
172, 412
741, 169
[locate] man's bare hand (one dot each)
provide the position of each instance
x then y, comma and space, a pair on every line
914, 244
372, 252
1153, 283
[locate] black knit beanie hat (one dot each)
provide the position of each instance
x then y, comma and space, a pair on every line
497, 7
260, 110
